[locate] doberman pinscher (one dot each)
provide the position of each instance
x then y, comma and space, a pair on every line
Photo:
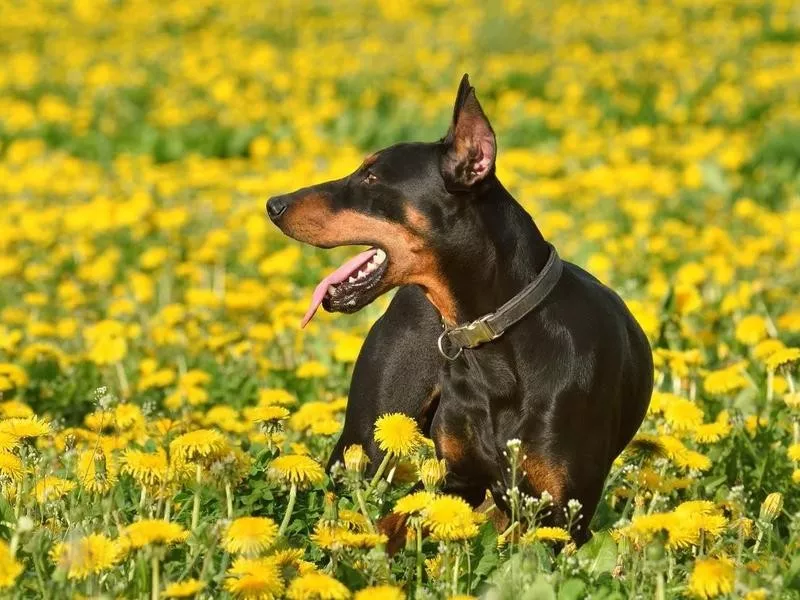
490, 337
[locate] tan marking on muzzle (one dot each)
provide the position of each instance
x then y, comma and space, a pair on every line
411, 261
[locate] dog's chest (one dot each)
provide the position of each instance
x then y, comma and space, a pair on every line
464, 427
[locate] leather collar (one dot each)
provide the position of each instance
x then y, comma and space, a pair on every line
491, 326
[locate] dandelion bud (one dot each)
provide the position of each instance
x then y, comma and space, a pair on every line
355, 461
24, 525
431, 472
744, 527
331, 510
411, 539
772, 506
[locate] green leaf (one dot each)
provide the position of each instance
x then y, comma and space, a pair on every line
601, 551
572, 589
539, 590
489, 558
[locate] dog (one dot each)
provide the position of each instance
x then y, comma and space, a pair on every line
490, 336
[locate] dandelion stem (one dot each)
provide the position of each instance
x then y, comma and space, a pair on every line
289, 508
142, 498
456, 566
418, 528
379, 473
770, 385
660, 594
18, 501
196, 507
155, 575
229, 499
167, 508
362, 505
123, 380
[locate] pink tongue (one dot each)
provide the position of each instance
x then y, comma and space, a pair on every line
338, 276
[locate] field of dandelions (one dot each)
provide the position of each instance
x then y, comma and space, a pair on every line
164, 421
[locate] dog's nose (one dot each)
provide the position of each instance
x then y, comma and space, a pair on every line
276, 206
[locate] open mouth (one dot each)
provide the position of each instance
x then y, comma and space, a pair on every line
350, 287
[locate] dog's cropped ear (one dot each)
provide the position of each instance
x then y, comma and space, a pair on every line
470, 147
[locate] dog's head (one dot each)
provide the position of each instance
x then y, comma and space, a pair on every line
406, 202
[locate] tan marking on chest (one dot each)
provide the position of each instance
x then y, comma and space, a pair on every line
450, 448
544, 474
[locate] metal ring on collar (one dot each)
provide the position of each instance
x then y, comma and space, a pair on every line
440, 343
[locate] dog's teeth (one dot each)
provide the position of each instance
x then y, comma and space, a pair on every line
379, 257
351, 280
331, 290
361, 275
371, 267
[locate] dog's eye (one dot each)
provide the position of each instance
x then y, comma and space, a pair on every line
370, 178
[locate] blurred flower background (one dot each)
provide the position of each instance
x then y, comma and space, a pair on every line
163, 419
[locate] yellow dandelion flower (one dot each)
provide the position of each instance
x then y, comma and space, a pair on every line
267, 414
327, 536
796, 476
15, 409
184, 589
97, 470
752, 423
724, 381
709, 433
547, 534
433, 567
450, 518
310, 413
353, 520
152, 532
311, 370
288, 557
85, 556
255, 579
764, 349
683, 456
250, 535
682, 414
317, 586
413, 503
51, 488
128, 416
751, 329
325, 427
397, 433
10, 568
792, 400
347, 348
11, 467
21, 428
201, 443
712, 577
380, 592
146, 468
296, 468
783, 357
8, 442
275, 396
794, 452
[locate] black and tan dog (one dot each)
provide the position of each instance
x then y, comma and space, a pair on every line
559, 363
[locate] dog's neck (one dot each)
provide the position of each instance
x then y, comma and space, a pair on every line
501, 251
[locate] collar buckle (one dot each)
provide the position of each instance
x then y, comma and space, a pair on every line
479, 332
